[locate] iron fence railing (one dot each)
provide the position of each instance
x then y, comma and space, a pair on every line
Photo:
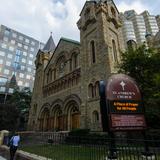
62, 146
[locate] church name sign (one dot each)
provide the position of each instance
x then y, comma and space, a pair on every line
124, 101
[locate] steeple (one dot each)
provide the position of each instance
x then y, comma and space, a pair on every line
50, 45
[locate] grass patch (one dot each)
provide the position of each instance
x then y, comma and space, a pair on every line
73, 152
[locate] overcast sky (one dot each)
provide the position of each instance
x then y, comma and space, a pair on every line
37, 18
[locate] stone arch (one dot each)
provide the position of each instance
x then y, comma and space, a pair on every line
56, 118
44, 115
95, 116
72, 112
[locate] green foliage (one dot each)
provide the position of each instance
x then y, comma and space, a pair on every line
144, 66
8, 117
22, 99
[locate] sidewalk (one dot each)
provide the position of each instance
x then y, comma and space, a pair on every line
1, 158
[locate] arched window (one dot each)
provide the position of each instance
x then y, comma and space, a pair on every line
93, 54
97, 89
95, 116
60, 67
90, 91
113, 12
114, 51
74, 61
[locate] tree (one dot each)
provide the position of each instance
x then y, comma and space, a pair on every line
144, 66
8, 117
22, 99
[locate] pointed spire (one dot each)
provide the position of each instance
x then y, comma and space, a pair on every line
50, 45
13, 82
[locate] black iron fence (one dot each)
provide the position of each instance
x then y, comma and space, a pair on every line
62, 146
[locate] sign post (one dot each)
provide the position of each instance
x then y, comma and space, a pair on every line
123, 107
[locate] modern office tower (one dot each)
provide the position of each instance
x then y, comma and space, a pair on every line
158, 21
143, 24
150, 23
127, 29
138, 24
17, 56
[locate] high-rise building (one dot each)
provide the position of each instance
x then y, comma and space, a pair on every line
158, 21
150, 23
136, 26
17, 56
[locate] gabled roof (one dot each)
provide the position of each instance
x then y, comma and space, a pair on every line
50, 45
62, 39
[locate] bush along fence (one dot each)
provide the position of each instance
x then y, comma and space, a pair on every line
64, 146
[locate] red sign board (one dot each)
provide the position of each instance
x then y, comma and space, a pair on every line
127, 122
122, 87
124, 103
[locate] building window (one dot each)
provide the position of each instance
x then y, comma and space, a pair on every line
25, 53
4, 45
2, 89
21, 75
90, 91
8, 63
19, 45
26, 84
7, 31
25, 47
27, 40
97, 89
95, 116
2, 53
32, 49
20, 83
29, 69
16, 65
33, 43
11, 48
3, 80
14, 35
20, 38
31, 55
22, 68
114, 51
92, 46
74, 61
6, 71
113, 12
11, 90
23, 60
10, 56
30, 62
13, 42
28, 77
5, 39
18, 55
1, 61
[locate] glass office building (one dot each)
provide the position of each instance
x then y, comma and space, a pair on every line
136, 26
17, 56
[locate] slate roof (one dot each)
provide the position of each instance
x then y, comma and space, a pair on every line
50, 45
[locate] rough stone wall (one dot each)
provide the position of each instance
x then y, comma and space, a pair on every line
96, 24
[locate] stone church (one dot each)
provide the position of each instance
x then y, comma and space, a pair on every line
66, 88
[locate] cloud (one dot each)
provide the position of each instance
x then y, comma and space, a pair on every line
37, 18
137, 5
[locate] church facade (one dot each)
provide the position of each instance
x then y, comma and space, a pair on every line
66, 89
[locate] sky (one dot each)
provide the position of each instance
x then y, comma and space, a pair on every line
38, 18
